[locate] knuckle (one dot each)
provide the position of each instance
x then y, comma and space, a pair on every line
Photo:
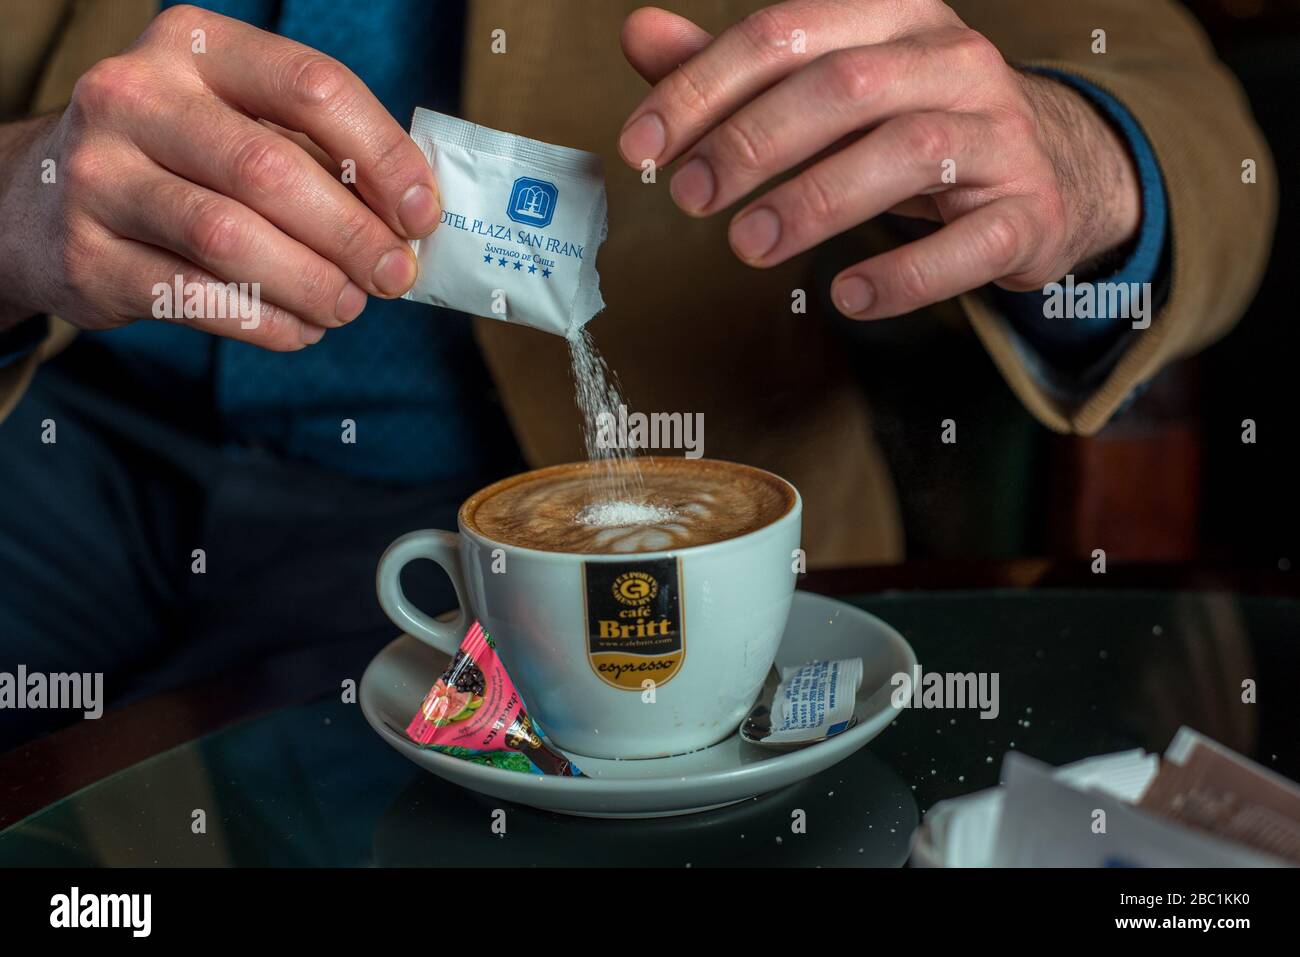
81, 258
181, 18
314, 79
911, 280
765, 29
83, 170
854, 73
689, 91
356, 236
114, 84
1003, 240
926, 140
213, 232
318, 290
392, 151
265, 164
975, 50
745, 145
817, 199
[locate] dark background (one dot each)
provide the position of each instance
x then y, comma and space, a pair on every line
1169, 479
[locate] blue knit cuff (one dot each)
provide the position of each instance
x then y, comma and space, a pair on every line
1083, 349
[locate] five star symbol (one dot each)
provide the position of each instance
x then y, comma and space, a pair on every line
518, 264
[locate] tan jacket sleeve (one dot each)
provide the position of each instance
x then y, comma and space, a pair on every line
1160, 65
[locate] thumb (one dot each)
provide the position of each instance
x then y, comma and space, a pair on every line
656, 42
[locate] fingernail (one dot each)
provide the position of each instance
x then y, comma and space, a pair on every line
692, 187
643, 140
351, 301
311, 335
395, 272
755, 233
418, 211
854, 295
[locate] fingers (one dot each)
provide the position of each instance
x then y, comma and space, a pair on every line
262, 170
902, 158
311, 149
227, 239
305, 90
992, 242
837, 94
795, 83
918, 207
657, 42
742, 62
136, 280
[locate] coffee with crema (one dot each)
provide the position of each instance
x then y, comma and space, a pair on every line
682, 502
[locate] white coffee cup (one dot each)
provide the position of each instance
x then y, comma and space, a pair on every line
558, 622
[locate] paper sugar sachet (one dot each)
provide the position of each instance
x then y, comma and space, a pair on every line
521, 223
474, 712
810, 703
1206, 786
1200, 805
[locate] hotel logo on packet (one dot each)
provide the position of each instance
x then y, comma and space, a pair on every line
521, 223
634, 621
532, 201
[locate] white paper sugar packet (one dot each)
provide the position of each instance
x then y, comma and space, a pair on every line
521, 223
811, 702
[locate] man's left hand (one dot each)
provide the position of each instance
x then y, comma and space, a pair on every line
888, 106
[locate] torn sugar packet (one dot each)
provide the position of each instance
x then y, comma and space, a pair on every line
474, 712
812, 702
521, 223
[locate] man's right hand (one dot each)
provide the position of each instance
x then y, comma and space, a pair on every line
162, 168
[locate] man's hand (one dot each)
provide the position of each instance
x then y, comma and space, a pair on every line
162, 168
900, 108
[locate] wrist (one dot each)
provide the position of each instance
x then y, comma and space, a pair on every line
22, 151
1095, 169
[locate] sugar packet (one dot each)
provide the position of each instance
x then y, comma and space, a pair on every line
473, 712
521, 223
809, 703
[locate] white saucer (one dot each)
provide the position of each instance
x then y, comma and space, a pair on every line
399, 676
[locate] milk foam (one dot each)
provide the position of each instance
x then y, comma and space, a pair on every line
682, 503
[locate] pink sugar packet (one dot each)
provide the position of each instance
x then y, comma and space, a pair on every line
473, 712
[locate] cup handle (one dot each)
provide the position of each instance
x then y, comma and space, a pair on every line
438, 546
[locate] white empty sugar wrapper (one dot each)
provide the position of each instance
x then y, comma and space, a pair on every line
521, 223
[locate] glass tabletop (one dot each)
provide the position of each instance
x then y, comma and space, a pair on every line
1080, 673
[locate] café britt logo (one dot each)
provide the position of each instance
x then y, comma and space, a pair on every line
634, 621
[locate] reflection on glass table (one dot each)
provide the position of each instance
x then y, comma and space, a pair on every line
1080, 673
